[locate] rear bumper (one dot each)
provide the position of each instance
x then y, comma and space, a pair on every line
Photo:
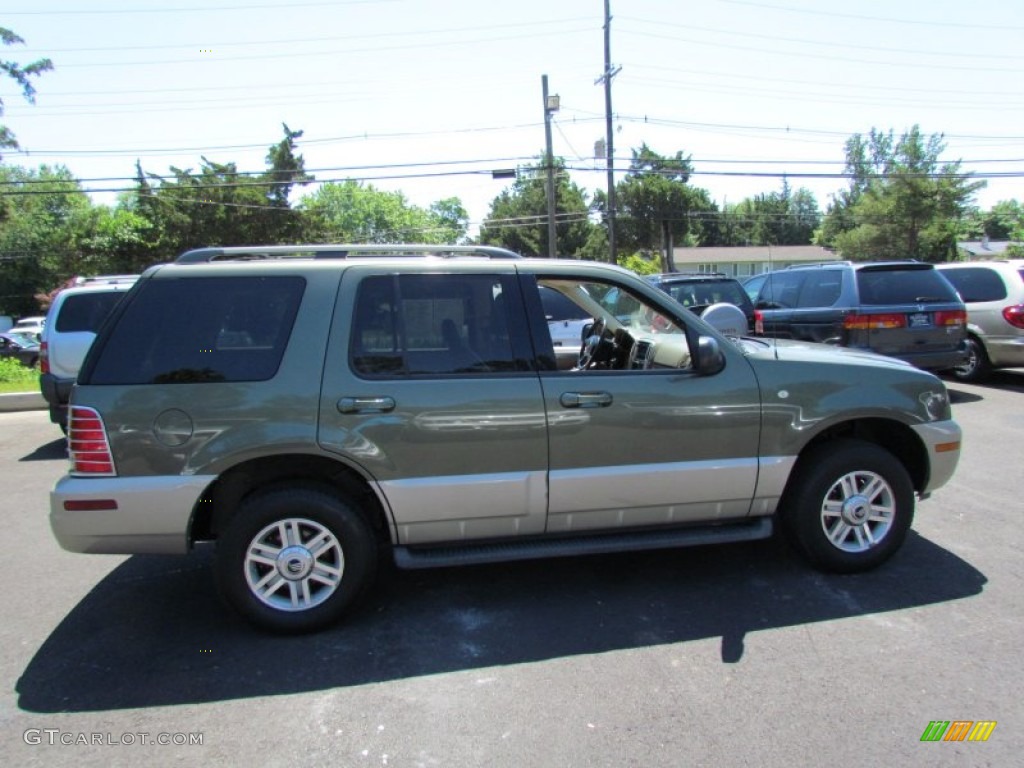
942, 440
937, 361
57, 392
131, 515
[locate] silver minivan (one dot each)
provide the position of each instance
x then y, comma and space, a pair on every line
993, 292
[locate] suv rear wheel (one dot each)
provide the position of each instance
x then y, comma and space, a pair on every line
849, 507
294, 559
976, 366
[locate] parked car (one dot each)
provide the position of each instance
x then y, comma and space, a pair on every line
312, 409
71, 324
697, 291
903, 309
993, 292
29, 325
23, 346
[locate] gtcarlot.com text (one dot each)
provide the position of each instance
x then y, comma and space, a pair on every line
56, 737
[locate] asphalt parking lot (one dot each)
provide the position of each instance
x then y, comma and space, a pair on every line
732, 655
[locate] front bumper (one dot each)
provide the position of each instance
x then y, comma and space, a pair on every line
125, 515
942, 440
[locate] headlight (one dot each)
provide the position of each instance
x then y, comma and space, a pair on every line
936, 405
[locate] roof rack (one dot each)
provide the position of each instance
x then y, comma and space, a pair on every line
103, 280
260, 252
799, 265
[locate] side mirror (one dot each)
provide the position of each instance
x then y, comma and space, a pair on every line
710, 358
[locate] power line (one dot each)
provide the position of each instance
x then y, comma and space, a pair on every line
887, 19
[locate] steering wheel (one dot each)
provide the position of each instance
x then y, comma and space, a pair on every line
591, 344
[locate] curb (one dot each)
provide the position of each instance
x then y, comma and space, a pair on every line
22, 401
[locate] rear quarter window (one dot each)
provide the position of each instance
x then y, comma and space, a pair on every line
86, 311
187, 330
976, 283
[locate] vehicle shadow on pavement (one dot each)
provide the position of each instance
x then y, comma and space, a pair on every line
154, 632
55, 449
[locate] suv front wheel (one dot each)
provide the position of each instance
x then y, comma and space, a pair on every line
294, 559
849, 506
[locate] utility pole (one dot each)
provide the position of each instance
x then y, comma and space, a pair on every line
606, 78
551, 104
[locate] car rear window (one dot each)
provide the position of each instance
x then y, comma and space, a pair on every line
86, 311
199, 330
903, 286
705, 292
976, 283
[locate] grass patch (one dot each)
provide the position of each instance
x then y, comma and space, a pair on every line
15, 377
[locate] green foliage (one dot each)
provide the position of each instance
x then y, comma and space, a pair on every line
518, 219
656, 205
44, 234
778, 218
902, 203
640, 263
15, 376
20, 74
350, 212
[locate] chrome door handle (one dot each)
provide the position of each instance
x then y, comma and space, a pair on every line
366, 404
585, 399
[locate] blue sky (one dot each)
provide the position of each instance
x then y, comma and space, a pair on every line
429, 96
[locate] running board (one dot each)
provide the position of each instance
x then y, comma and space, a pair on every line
534, 549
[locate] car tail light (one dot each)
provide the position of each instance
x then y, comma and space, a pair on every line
758, 322
1014, 315
855, 322
44, 357
87, 443
951, 318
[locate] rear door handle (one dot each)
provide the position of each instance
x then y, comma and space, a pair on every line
585, 399
366, 404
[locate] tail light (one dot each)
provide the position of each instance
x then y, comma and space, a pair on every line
44, 357
952, 318
855, 322
759, 322
87, 443
1014, 315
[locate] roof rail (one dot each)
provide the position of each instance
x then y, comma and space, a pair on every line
260, 252
104, 279
819, 264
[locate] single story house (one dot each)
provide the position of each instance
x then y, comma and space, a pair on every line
743, 261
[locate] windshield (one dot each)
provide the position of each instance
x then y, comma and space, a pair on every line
903, 286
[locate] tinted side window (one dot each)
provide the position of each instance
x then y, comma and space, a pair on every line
822, 289
782, 289
433, 324
976, 283
200, 329
86, 311
903, 286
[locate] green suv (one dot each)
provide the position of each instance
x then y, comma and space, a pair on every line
315, 410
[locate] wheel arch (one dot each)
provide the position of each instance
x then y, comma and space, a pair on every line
894, 436
224, 496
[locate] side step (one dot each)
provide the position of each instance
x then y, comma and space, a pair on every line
534, 549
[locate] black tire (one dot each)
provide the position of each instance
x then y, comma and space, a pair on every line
329, 561
977, 367
848, 506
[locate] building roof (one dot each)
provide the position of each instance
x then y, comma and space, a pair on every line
753, 253
985, 249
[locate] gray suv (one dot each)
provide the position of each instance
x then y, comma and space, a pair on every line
904, 309
315, 410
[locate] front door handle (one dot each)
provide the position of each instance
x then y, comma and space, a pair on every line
366, 404
585, 399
